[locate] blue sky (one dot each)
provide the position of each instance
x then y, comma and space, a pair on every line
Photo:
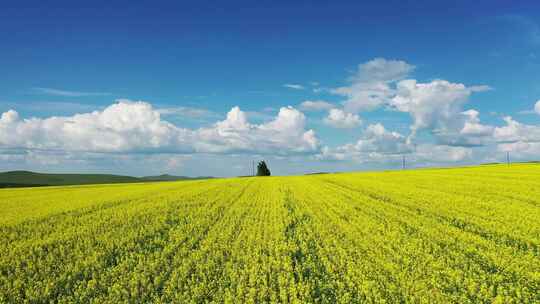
191, 63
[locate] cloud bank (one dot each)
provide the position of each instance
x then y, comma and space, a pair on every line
136, 127
439, 109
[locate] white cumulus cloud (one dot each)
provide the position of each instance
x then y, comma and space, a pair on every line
515, 131
370, 87
283, 135
473, 127
122, 126
130, 127
338, 118
436, 106
375, 143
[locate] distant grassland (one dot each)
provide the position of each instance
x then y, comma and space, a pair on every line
27, 179
463, 235
13, 179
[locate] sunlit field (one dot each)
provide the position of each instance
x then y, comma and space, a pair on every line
463, 235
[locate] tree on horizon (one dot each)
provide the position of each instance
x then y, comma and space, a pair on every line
262, 169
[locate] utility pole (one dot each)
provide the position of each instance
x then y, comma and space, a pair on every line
403, 162
508, 158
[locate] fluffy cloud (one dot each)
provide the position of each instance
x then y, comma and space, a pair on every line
465, 130
473, 127
316, 105
375, 143
429, 102
436, 106
338, 118
377, 139
370, 87
123, 126
515, 131
131, 127
537, 107
474, 141
380, 69
9, 117
285, 134
523, 141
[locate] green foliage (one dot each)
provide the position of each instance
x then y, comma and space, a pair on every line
262, 169
467, 235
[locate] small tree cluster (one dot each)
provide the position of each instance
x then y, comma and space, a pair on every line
262, 169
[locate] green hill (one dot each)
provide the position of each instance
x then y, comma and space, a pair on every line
27, 178
34, 179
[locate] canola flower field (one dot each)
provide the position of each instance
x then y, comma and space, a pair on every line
462, 235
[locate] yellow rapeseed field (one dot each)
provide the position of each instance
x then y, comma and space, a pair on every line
463, 235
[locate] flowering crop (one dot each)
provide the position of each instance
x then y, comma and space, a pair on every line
466, 235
